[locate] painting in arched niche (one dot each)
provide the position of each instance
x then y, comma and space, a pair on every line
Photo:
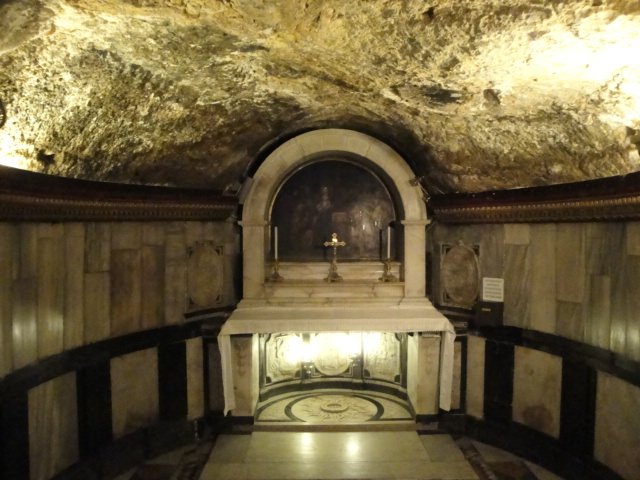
332, 196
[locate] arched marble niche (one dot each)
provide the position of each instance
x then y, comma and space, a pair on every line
363, 150
333, 195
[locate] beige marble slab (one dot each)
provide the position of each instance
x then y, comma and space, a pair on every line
126, 291
571, 320
153, 233
175, 278
126, 235
28, 265
617, 426
491, 241
517, 234
570, 262
242, 370
193, 232
542, 291
427, 374
53, 434
632, 308
98, 247
8, 254
97, 306
195, 379
50, 310
632, 238
152, 286
516, 285
74, 236
598, 319
134, 391
537, 382
24, 322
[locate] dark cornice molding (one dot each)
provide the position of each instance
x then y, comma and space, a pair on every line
608, 199
29, 196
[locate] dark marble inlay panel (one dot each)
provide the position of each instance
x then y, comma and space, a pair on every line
172, 381
577, 408
14, 437
498, 381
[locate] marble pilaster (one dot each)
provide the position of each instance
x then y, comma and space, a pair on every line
98, 247
414, 252
427, 374
241, 351
253, 254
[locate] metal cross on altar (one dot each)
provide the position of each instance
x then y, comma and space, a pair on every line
333, 269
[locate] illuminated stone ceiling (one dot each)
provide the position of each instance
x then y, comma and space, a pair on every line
476, 94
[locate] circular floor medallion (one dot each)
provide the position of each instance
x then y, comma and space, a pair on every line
332, 408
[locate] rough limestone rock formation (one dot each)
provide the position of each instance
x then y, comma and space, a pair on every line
476, 94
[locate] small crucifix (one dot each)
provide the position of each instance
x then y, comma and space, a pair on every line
333, 269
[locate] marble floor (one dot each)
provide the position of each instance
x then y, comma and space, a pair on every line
380, 455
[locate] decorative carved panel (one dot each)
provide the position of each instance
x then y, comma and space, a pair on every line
459, 275
205, 274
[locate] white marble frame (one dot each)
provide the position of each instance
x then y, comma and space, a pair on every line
295, 153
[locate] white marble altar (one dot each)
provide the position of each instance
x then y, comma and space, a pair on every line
303, 302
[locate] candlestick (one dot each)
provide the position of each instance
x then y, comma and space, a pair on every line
275, 243
388, 242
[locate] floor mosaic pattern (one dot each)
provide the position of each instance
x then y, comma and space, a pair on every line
333, 407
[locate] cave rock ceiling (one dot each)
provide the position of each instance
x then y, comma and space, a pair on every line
475, 94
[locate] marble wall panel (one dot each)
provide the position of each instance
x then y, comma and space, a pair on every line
53, 431
24, 322
74, 235
126, 291
632, 307
50, 281
134, 391
175, 278
491, 241
475, 376
617, 426
8, 252
517, 234
98, 247
195, 379
633, 238
542, 291
153, 286
537, 386
97, 306
598, 318
193, 233
126, 235
570, 262
153, 233
28, 265
570, 320
516, 285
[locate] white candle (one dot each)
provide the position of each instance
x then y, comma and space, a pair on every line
388, 242
275, 243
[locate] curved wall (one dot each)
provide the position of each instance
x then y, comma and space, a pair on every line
103, 361
560, 379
